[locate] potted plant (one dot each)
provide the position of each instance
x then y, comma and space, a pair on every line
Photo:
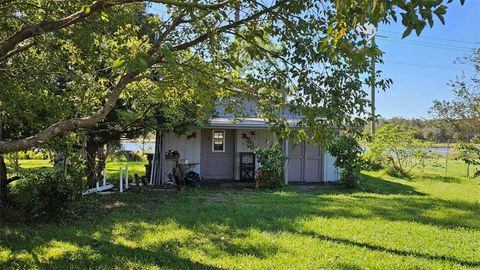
272, 164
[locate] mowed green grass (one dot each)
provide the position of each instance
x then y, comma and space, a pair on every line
113, 168
431, 221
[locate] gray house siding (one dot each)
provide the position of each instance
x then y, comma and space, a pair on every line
305, 163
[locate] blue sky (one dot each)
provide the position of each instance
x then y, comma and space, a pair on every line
415, 86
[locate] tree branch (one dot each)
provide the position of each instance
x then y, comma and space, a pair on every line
46, 27
76, 123
16, 51
13, 179
70, 124
223, 28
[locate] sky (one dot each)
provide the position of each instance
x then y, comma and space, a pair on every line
421, 67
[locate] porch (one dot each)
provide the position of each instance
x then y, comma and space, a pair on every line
218, 152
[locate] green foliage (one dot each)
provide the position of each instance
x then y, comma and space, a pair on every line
45, 195
123, 155
272, 162
347, 152
397, 150
434, 130
462, 113
470, 154
370, 164
34, 154
189, 54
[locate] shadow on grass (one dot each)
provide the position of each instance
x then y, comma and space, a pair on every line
378, 185
213, 225
393, 251
440, 178
104, 255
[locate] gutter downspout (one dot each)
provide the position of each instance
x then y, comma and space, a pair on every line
285, 169
285, 176
161, 157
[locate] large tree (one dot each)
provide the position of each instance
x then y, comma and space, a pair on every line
309, 51
319, 56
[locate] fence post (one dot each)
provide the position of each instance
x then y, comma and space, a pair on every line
126, 177
104, 176
121, 180
446, 157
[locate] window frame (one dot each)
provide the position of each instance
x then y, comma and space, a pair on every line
214, 139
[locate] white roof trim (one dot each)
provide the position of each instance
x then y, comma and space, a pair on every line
225, 122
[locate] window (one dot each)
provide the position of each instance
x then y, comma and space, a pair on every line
218, 141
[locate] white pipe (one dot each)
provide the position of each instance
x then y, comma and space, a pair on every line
126, 177
121, 180
152, 168
97, 184
285, 173
104, 176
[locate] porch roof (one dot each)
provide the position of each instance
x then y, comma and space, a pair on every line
252, 122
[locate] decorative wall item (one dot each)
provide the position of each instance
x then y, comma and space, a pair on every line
250, 135
192, 136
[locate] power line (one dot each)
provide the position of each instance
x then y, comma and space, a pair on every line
435, 44
436, 38
429, 66
424, 44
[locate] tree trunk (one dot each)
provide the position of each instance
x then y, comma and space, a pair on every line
3, 172
60, 158
3, 181
91, 156
102, 157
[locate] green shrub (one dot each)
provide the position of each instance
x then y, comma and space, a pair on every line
46, 194
272, 162
470, 155
391, 171
33, 154
397, 150
370, 164
347, 152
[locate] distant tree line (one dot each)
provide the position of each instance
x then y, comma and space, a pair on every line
426, 129
434, 130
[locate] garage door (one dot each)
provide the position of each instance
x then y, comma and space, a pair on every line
305, 162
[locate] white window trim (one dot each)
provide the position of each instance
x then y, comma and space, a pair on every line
213, 141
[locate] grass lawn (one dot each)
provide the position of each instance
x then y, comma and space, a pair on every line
113, 168
429, 222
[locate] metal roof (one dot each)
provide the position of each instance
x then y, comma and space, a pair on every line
252, 122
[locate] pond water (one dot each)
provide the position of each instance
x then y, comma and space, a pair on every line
442, 150
138, 146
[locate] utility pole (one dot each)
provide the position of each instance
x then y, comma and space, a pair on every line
372, 87
369, 31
